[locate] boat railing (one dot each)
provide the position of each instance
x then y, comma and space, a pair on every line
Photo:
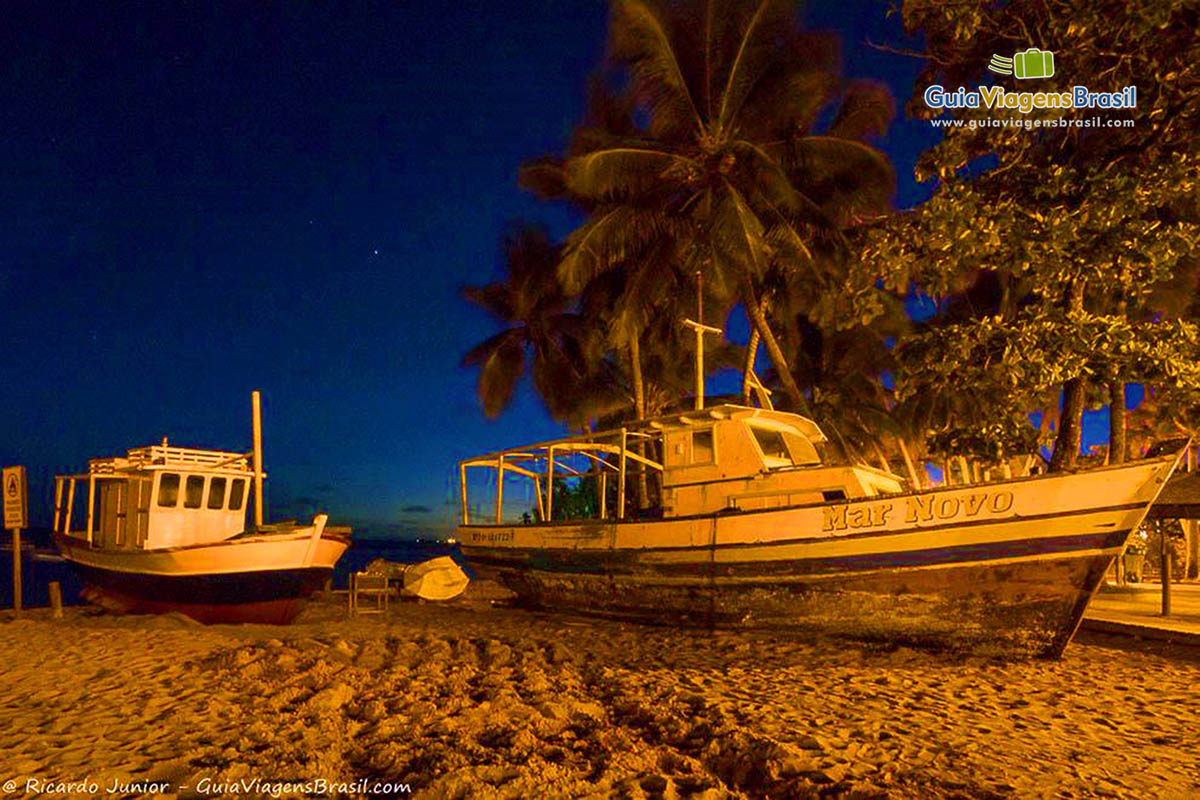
581, 477
157, 455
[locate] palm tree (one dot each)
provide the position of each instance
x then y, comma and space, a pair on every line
542, 331
726, 166
627, 290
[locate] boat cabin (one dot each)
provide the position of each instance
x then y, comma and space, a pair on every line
724, 458
155, 497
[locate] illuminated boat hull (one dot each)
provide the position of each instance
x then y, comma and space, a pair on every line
262, 579
1004, 568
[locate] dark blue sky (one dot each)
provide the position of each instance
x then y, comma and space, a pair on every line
198, 199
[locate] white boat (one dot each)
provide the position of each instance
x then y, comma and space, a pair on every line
163, 529
753, 528
435, 579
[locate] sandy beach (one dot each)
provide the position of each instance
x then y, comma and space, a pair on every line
469, 700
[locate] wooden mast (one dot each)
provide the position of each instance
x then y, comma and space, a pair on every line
256, 422
700, 328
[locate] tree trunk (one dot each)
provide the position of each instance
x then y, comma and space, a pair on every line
883, 462
778, 361
639, 406
751, 357
963, 469
1070, 427
1070, 420
635, 371
913, 477
1116, 422
1118, 449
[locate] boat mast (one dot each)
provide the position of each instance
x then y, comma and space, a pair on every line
256, 423
700, 328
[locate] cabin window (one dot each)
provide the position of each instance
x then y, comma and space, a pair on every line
216, 493
771, 443
702, 447
168, 490
237, 492
676, 446
193, 491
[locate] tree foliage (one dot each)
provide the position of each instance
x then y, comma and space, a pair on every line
1088, 235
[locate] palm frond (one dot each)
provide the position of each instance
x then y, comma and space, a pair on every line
499, 374
543, 177
785, 103
604, 242
737, 232
494, 298
755, 48
623, 172
867, 110
843, 177
639, 37
481, 352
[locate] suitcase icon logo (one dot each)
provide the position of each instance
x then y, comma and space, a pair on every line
1032, 63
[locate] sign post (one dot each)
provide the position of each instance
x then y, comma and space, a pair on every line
16, 508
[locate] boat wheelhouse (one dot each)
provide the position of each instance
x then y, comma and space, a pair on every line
164, 529
724, 458
155, 497
730, 515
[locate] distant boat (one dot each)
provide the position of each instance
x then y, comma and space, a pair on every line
754, 529
164, 529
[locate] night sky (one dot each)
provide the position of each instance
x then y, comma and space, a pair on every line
201, 199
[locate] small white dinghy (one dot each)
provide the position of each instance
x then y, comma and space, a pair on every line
436, 579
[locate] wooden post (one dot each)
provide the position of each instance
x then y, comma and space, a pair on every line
462, 490
500, 489
58, 493
91, 504
621, 479
256, 423
56, 599
541, 508
1193, 544
550, 484
603, 493
16, 546
70, 507
1165, 571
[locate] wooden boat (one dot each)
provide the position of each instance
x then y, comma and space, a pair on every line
163, 529
754, 529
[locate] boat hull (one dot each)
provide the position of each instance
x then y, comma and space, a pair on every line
262, 579
1001, 569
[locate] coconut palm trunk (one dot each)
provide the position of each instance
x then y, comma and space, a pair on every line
778, 360
879, 454
909, 467
751, 357
639, 405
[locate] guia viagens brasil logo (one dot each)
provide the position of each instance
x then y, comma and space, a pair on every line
1026, 65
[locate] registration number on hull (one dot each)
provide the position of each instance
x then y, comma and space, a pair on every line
487, 537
